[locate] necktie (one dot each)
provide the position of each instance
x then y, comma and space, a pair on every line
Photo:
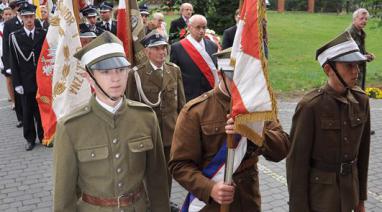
158, 75
31, 35
107, 26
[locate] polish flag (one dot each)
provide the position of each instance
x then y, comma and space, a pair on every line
253, 101
61, 87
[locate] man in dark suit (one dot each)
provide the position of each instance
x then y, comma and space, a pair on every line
90, 12
229, 34
178, 26
25, 48
10, 26
107, 24
193, 55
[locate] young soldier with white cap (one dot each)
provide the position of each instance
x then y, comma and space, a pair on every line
108, 155
328, 162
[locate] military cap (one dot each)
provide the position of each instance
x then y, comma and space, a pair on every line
224, 62
341, 49
27, 9
87, 34
152, 39
144, 9
89, 11
103, 53
105, 7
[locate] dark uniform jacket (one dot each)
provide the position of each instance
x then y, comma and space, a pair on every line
24, 71
329, 129
228, 37
359, 37
86, 28
106, 155
10, 26
176, 26
200, 133
194, 82
113, 26
172, 96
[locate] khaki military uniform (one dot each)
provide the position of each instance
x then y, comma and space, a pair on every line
200, 133
107, 155
328, 162
359, 37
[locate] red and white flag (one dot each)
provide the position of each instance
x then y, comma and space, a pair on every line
253, 101
61, 87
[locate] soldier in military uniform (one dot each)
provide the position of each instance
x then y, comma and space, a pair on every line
328, 162
25, 48
107, 22
108, 155
158, 84
90, 12
200, 134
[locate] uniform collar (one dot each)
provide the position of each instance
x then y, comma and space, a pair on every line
109, 108
110, 22
346, 98
222, 98
104, 114
155, 67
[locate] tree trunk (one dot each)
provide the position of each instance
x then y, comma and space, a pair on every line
311, 6
281, 6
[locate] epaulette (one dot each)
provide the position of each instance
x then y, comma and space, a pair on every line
172, 64
132, 103
358, 89
312, 95
197, 100
83, 110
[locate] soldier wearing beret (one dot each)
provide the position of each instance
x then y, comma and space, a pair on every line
328, 162
158, 84
108, 155
199, 137
90, 12
107, 23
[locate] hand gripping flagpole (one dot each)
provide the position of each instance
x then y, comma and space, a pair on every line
228, 172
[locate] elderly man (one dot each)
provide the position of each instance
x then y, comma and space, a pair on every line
199, 148
194, 56
158, 84
107, 23
103, 162
328, 162
178, 26
357, 32
44, 17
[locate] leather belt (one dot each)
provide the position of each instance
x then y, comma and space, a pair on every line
343, 168
123, 200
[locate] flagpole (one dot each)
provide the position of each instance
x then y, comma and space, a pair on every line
76, 12
130, 55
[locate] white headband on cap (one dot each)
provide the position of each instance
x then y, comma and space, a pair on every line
99, 51
337, 50
225, 64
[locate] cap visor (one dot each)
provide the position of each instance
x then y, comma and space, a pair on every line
158, 43
105, 10
145, 13
88, 35
355, 57
111, 63
27, 13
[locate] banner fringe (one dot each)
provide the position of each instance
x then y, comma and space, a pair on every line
250, 134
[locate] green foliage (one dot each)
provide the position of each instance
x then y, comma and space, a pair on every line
221, 14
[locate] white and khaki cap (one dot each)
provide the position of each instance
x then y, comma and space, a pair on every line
103, 53
341, 49
224, 62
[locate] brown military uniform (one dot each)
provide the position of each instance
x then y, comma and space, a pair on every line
200, 133
329, 129
172, 97
107, 155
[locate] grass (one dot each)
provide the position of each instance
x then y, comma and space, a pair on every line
294, 38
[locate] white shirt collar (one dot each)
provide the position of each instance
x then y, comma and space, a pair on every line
110, 22
201, 43
29, 31
156, 67
185, 19
109, 108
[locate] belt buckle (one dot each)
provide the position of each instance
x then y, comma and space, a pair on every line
345, 168
119, 199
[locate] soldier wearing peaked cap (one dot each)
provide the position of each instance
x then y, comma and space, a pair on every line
25, 47
158, 84
108, 155
90, 12
328, 162
107, 23
198, 150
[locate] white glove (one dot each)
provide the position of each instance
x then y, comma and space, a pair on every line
8, 71
19, 89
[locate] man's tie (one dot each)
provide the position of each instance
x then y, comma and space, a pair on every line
30, 35
158, 75
107, 26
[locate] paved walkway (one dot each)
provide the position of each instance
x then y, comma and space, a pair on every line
26, 185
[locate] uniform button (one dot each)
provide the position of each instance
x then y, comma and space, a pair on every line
115, 141
345, 122
316, 178
216, 129
345, 138
346, 156
119, 170
120, 184
141, 145
86, 108
92, 154
117, 155
358, 119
